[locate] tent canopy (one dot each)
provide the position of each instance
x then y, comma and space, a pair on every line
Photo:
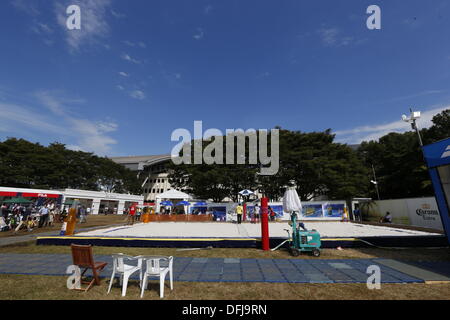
18, 200
173, 194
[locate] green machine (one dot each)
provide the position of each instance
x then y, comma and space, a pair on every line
302, 240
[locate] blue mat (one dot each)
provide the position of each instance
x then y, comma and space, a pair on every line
229, 269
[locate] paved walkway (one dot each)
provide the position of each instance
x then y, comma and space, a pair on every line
250, 270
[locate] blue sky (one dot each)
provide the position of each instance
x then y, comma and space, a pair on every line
137, 70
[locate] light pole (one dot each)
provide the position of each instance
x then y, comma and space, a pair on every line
414, 115
375, 182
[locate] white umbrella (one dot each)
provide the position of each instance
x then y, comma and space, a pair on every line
246, 192
291, 201
291, 204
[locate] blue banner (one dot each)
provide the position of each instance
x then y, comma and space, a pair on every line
437, 154
333, 210
312, 211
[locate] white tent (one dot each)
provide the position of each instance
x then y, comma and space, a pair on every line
171, 195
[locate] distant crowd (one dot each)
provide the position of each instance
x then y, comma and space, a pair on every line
27, 217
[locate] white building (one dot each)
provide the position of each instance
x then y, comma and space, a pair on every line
151, 170
98, 201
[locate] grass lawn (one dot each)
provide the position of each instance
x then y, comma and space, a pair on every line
439, 254
15, 287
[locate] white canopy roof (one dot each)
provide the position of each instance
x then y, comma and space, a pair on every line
173, 194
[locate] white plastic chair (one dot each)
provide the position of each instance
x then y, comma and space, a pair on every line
124, 270
154, 269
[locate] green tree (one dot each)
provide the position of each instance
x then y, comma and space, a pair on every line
317, 165
31, 165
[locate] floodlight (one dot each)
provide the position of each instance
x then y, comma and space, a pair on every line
415, 115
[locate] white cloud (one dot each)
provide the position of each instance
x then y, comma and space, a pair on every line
74, 147
120, 87
92, 135
332, 37
207, 10
118, 15
88, 135
41, 28
262, 75
137, 94
26, 6
199, 35
124, 74
127, 57
416, 95
374, 132
49, 101
94, 25
135, 44
14, 118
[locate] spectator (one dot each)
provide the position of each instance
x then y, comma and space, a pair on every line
82, 215
3, 224
272, 214
239, 211
22, 218
256, 212
138, 214
131, 213
43, 217
357, 214
387, 218
51, 218
31, 223
3, 210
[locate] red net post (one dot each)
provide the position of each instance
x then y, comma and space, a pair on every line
265, 224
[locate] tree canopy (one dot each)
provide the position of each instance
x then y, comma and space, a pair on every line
317, 164
398, 160
31, 165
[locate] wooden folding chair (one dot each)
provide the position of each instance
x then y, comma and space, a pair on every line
82, 257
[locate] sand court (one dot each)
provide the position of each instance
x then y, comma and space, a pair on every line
247, 230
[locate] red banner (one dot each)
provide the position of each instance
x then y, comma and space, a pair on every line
40, 195
7, 194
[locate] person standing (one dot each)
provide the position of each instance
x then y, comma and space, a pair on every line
272, 214
257, 212
131, 213
357, 214
43, 216
82, 215
239, 211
